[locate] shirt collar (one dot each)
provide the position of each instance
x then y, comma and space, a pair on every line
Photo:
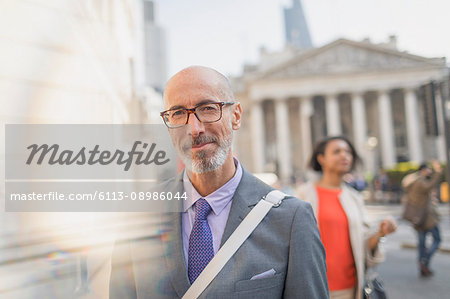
219, 199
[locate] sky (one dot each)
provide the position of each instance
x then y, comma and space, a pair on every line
226, 34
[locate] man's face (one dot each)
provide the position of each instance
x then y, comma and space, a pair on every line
203, 147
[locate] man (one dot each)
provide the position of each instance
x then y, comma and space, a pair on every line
422, 211
282, 258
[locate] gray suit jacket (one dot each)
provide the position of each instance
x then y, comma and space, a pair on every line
287, 240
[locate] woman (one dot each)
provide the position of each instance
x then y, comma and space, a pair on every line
340, 214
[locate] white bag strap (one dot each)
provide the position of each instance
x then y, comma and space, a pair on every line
241, 233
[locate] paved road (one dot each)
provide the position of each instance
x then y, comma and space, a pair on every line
29, 271
399, 271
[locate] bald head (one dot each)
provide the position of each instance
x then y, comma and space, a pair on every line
198, 78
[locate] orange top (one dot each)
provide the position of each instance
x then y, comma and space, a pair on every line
333, 227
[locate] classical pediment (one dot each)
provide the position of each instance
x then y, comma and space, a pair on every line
344, 56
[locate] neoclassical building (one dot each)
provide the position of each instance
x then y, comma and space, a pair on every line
389, 103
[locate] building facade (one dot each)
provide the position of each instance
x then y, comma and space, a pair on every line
387, 102
155, 49
67, 62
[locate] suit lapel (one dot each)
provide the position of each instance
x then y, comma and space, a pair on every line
248, 193
173, 248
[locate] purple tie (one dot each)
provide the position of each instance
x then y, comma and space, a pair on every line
200, 250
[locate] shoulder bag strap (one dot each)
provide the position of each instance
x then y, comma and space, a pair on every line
250, 222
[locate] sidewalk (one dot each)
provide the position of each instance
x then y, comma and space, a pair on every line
405, 235
444, 227
399, 271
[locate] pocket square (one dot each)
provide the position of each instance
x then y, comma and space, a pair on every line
265, 274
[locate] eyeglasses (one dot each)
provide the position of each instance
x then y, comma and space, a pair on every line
205, 113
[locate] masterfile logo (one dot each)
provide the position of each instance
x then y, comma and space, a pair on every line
90, 168
94, 156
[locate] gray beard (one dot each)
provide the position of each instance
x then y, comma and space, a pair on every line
200, 163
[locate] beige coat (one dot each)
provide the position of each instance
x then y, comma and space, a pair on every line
418, 195
353, 206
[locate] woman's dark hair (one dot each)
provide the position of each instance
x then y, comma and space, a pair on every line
319, 149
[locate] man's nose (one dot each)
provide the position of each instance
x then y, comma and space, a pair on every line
196, 126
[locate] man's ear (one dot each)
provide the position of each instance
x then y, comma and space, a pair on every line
236, 117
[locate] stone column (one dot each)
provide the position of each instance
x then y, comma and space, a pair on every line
258, 142
359, 122
306, 110
283, 140
333, 115
385, 121
440, 139
412, 126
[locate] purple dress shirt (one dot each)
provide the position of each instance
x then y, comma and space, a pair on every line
220, 202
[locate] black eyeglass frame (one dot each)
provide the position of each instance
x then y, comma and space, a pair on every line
192, 111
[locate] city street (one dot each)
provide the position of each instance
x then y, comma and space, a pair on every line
400, 272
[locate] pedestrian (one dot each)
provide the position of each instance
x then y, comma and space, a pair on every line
282, 258
421, 211
340, 213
